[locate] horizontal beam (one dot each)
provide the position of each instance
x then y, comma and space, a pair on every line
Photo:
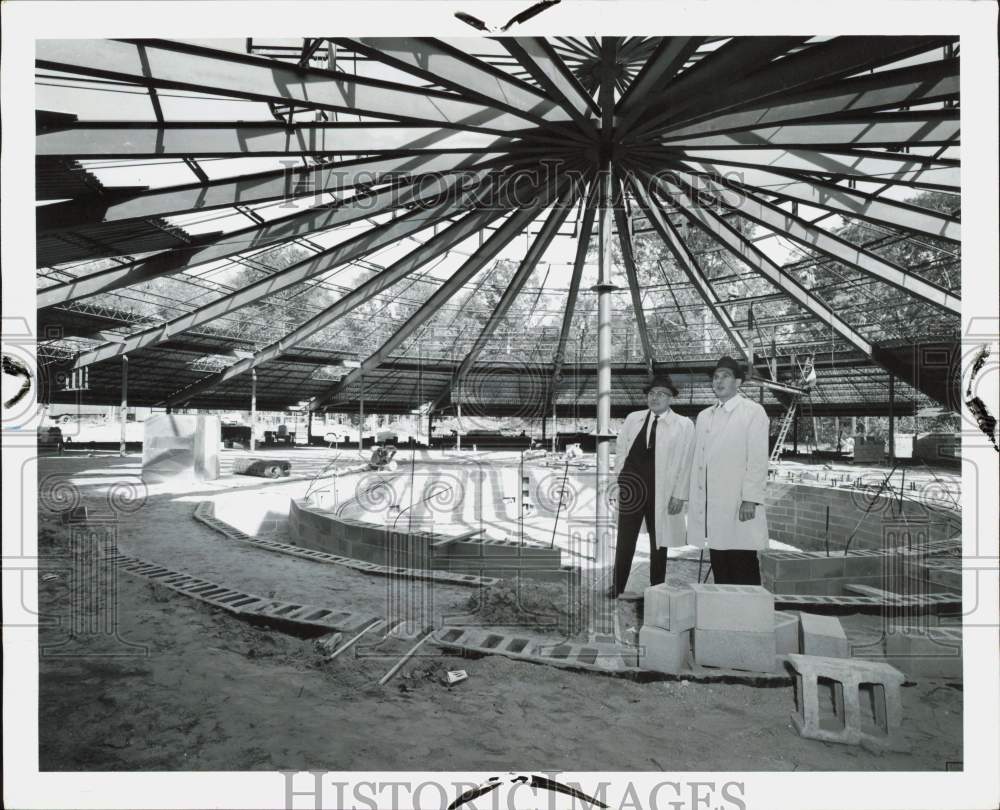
921, 84
354, 248
815, 65
859, 164
828, 244
887, 129
547, 68
250, 189
162, 64
115, 139
838, 199
253, 238
668, 58
446, 66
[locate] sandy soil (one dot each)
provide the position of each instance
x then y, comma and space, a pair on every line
211, 692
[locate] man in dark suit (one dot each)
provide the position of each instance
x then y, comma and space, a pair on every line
652, 464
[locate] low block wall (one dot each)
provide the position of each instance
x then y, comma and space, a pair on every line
318, 529
796, 514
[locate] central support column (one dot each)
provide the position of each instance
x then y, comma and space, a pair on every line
604, 288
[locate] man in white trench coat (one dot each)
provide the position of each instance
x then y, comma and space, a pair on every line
728, 477
652, 461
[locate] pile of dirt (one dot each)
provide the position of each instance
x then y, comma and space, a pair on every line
543, 607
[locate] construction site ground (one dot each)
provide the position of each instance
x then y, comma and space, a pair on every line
183, 686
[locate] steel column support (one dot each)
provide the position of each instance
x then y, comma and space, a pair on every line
892, 418
604, 288
123, 413
253, 410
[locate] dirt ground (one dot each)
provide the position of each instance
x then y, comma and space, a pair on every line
183, 686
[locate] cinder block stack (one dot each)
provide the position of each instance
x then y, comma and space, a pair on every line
734, 627
665, 636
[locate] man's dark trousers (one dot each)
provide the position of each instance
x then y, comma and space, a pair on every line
637, 500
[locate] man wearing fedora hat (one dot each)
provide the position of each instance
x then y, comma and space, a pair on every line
728, 477
652, 460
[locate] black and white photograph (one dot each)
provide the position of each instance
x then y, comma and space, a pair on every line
576, 404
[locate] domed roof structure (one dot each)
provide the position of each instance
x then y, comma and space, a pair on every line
422, 223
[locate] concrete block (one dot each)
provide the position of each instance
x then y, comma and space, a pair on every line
180, 447
853, 723
734, 607
786, 632
823, 636
669, 608
932, 652
735, 649
663, 650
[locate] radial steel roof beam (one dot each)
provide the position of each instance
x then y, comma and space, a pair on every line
886, 129
739, 56
159, 63
829, 245
436, 246
117, 139
686, 261
628, 257
250, 189
255, 237
582, 245
815, 64
606, 91
840, 200
920, 84
542, 241
444, 65
342, 253
744, 250
490, 248
547, 68
903, 169
668, 58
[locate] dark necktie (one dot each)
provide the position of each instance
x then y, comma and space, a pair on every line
651, 441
